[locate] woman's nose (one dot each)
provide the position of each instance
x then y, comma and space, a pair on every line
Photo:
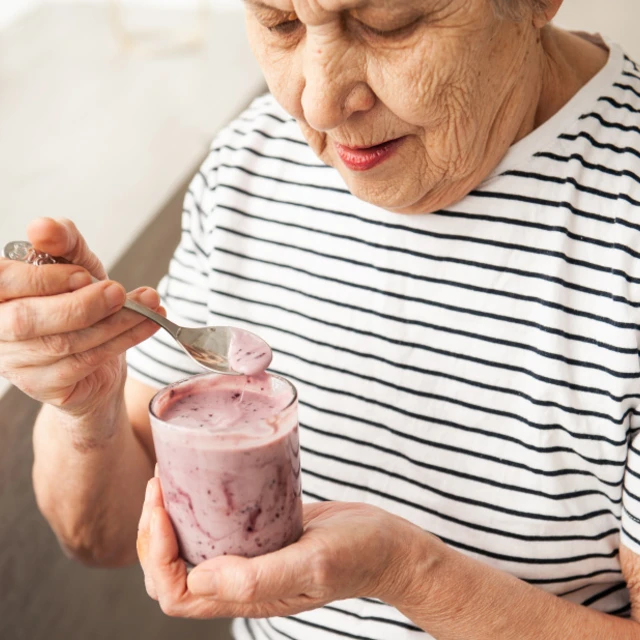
335, 86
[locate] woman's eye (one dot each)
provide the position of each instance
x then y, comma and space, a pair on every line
286, 27
389, 34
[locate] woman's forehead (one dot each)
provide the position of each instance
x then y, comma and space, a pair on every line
336, 6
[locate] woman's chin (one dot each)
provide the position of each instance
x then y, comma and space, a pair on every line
400, 192
390, 186
394, 194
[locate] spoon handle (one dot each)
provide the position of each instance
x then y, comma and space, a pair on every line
171, 327
22, 251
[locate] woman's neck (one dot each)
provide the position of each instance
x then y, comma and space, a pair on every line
570, 61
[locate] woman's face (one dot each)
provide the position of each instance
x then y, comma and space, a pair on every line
414, 102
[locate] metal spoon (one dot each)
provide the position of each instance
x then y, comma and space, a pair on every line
226, 350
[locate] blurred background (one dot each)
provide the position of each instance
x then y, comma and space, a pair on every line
107, 107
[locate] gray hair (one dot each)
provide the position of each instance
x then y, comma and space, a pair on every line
515, 9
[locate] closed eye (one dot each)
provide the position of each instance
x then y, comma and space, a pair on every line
389, 34
286, 27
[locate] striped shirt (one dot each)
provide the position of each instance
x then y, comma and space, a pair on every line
473, 370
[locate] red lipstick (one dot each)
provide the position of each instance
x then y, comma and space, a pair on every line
365, 158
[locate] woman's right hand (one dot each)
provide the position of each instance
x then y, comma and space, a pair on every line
62, 337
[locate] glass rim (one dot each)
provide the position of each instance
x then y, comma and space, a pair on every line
212, 374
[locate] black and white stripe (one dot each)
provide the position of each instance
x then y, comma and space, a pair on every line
475, 370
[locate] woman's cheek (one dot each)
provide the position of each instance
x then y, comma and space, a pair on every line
285, 83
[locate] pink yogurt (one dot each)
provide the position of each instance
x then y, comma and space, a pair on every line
229, 463
248, 353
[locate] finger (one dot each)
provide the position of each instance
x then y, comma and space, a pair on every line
167, 570
281, 575
62, 238
156, 498
19, 280
60, 378
150, 587
49, 349
30, 318
142, 542
152, 499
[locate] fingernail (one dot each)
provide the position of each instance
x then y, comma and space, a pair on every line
149, 298
78, 280
114, 295
147, 495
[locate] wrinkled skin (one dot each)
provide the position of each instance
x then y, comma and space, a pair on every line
323, 566
62, 337
459, 82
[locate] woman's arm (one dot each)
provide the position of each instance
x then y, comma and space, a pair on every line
453, 596
356, 550
92, 493
62, 341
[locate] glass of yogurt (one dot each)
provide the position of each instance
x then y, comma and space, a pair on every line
229, 463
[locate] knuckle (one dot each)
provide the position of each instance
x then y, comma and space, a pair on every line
70, 224
83, 311
21, 320
321, 572
62, 396
67, 373
80, 362
57, 344
246, 590
20, 380
74, 369
150, 587
6, 267
28, 384
36, 281
168, 606
12, 273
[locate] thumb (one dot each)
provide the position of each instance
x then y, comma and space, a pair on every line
275, 576
61, 238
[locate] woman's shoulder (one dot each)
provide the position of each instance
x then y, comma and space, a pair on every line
597, 133
610, 118
606, 136
619, 106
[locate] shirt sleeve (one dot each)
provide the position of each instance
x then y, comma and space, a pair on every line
630, 523
184, 289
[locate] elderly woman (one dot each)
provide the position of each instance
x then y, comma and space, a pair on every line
434, 219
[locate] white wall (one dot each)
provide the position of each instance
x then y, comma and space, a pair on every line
618, 20
11, 10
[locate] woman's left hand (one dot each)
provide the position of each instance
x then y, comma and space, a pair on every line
347, 550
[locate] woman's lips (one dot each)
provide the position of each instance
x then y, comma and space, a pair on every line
365, 158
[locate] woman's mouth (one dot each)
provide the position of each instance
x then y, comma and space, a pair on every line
365, 158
